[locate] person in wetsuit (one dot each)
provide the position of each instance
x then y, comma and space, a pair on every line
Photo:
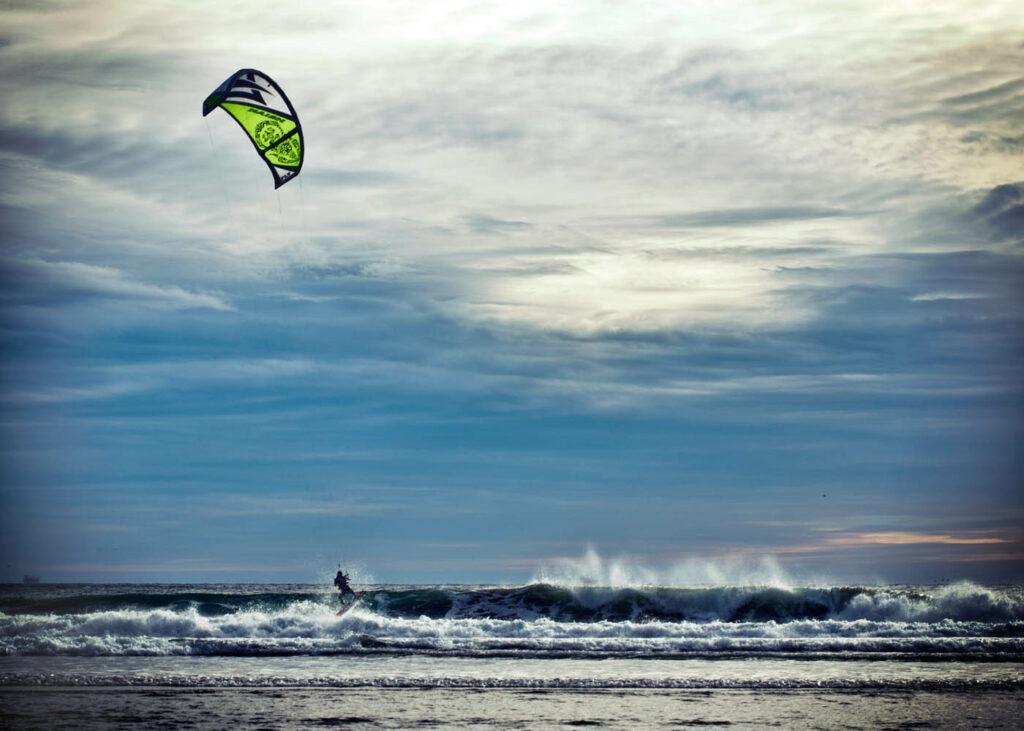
341, 581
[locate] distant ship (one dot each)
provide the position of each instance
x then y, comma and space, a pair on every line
29, 579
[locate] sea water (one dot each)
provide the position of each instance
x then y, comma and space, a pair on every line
547, 655
541, 635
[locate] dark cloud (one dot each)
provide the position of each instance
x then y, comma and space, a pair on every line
352, 178
143, 160
985, 96
425, 117
740, 252
999, 199
725, 90
966, 221
132, 158
534, 269
984, 274
315, 272
481, 224
1002, 212
37, 6
745, 216
998, 143
47, 284
97, 68
1002, 102
741, 81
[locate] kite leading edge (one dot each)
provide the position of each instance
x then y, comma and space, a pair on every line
261, 108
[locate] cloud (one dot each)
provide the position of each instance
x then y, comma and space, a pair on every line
593, 292
238, 505
936, 296
81, 280
369, 269
57, 395
985, 557
1002, 210
352, 178
31, 6
116, 381
901, 538
746, 216
997, 92
182, 565
489, 225
994, 143
640, 233
1001, 101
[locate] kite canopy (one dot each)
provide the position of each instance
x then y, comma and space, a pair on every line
260, 107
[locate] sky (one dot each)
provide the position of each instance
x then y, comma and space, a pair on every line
699, 291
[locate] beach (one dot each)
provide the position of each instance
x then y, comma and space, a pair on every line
543, 708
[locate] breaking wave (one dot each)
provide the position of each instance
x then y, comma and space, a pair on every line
243, 681
962, 620
956, 602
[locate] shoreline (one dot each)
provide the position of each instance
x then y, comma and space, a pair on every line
117, 707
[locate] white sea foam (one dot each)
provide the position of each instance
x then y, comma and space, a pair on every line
961, 601
311, 629
565, 683
624, 571
540, 619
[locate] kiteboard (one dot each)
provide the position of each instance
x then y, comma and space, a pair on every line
355, 600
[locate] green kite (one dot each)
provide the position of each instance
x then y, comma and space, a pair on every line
260, 107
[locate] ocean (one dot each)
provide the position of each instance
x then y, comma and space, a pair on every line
599, 654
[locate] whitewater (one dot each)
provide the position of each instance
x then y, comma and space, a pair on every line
963, 627
544, 655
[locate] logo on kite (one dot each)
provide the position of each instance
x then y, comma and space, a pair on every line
260, 107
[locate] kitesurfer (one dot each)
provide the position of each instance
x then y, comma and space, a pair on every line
341, 581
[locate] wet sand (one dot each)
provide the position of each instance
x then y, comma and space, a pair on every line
469, 708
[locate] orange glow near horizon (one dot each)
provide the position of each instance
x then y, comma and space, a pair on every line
903, 538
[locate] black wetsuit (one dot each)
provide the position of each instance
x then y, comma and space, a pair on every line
341, 581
